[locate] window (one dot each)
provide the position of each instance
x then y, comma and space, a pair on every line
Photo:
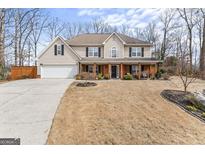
59, 49
133, 69
92, 51
113, 52
136, 52
90, 68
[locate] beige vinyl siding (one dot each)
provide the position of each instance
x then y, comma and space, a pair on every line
48, 56
113, 41
147, 52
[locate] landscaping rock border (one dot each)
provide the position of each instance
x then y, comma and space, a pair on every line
166, 95
86, 84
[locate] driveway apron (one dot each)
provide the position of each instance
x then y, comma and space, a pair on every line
27, 108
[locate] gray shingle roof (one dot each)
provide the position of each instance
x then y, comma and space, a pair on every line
98, 39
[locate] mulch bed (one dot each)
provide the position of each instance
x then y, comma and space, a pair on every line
181, 99
86, 84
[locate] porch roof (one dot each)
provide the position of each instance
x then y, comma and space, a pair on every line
119, 61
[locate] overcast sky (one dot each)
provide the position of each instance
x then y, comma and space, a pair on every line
132, 17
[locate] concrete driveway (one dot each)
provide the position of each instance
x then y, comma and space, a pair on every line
27, 108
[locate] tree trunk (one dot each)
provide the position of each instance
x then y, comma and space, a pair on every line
29, 53
190, 49
185, 89
2, 35
163, 48
35, 52
202, 55
16, 40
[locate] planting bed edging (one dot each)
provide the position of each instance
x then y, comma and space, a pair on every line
182, 107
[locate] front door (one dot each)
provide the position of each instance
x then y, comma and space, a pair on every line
114, 71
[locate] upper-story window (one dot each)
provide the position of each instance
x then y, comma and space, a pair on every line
136, 52
59, 49
113, 52
92, 51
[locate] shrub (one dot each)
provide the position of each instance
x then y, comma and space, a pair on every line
171, 70
152, 77
203, 115
128, 76
8, 77
25, 77
191, 108
1, 77
165, 76
106, 76
158, 75
78, 77
162, 71
100, 76
87, 76
196, 103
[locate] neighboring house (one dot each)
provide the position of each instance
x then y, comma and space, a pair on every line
112, 54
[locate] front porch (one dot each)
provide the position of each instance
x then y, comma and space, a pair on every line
117, 71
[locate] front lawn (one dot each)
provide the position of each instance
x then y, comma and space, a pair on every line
123, 112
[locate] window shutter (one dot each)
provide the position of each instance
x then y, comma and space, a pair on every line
86, 68
130, 69
62, 49
55, 50
130, 52
99, 70
86, 51
99, 52
142, 52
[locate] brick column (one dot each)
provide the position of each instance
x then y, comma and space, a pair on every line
139, 75
81, 68
109, 70
94, 70
121, 71
156, 68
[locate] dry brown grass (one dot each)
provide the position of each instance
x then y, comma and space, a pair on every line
3, 81
123, 112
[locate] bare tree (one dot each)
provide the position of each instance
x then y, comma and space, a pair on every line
22, 30
38, 25
126, 30
2, 35
97, 25
202, 51
186, 75
168, 24
55, 28
73, 29
188, 16
151, 35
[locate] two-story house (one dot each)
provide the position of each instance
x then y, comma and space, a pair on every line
113, 54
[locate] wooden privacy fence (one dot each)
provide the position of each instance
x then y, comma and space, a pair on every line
23, 72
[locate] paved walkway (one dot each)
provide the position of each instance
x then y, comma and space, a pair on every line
27, 108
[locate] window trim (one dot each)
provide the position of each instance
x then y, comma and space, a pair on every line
59, 49
136, 51
112, 52
93, 51
90, 68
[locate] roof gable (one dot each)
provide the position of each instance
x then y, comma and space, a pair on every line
116, 35
65, 43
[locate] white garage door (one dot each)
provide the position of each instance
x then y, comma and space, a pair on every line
65, 71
